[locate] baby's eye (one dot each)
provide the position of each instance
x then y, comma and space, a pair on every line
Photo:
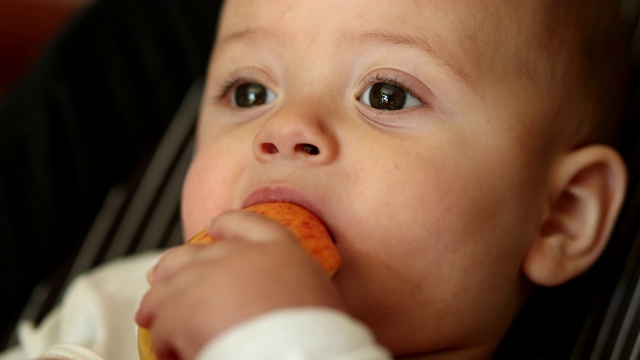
387, 96
252, 94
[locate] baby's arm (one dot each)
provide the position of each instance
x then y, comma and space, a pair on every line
255, 268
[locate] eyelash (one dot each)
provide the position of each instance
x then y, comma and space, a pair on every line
231, 84
235, 81
393, 81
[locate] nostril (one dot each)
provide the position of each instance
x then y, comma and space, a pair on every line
308, 148
269, 148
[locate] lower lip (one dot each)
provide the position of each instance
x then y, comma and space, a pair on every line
277, 194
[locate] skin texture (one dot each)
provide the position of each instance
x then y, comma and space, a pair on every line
446, 213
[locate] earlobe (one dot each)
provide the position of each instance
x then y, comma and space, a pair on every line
587, 189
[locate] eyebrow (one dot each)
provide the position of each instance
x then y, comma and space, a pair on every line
432, 47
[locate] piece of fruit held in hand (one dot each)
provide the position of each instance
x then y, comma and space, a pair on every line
305, 225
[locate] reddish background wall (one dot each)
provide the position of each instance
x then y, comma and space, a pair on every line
25, 28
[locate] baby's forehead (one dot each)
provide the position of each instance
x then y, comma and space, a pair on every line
472, 37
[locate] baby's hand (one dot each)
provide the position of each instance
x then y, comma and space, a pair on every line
255, 267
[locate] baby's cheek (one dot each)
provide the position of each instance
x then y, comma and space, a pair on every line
190, 207
201, 200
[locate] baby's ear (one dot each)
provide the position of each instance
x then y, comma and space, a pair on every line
587, 188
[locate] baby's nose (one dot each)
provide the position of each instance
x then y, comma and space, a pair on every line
295, 137
310, 149
307, 148
269, 149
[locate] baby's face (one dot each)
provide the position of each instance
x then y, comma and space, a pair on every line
410, 128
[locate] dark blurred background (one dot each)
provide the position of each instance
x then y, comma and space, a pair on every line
27, 28
87, 89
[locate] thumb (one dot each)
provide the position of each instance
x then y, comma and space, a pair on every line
247, 226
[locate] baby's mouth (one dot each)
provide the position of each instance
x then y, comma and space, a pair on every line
308, 228
289, 195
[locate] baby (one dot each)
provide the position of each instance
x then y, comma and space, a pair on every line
451, 148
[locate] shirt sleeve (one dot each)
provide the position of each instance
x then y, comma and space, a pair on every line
297, 334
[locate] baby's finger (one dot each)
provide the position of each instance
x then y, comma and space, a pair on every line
176, 258
172, 260
248, 226
238, 225
163, 290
